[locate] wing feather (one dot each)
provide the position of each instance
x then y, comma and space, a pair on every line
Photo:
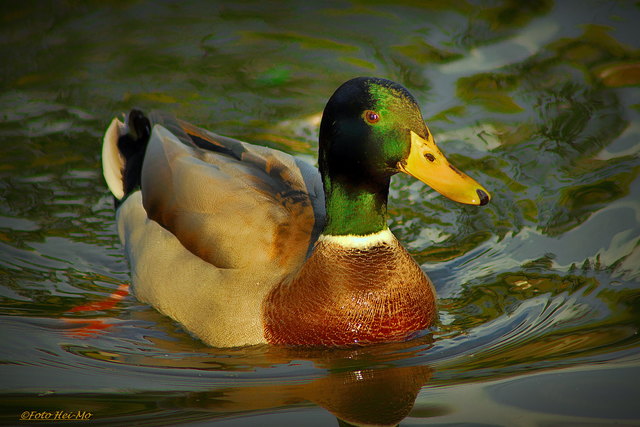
231, 203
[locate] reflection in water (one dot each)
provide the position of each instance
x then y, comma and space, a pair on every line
370, 396
377, 396
360, 386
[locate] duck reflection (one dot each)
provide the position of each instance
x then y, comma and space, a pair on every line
362, 397
358, 389
361, 386
370, 396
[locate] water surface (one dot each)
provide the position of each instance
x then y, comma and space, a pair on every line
539, 291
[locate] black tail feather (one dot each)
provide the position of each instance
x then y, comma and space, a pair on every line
133, 146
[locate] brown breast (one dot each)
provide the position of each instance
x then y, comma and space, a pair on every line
344, 296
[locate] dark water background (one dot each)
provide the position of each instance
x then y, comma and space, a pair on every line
539, 291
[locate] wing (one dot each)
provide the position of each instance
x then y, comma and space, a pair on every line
230, 203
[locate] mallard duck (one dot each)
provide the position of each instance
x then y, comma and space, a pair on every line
243, 244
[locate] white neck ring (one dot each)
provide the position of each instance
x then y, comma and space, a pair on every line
360, 241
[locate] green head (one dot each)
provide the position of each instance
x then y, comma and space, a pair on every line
371, 129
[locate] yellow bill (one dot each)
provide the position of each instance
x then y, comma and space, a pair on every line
427, 163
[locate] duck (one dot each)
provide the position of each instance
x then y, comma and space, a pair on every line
244, 245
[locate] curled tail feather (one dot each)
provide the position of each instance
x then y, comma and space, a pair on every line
123, 149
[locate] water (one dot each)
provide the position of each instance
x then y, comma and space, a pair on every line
539, 291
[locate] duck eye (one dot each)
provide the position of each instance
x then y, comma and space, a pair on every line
371, 116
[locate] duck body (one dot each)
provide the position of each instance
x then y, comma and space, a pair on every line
243, 244
212, 230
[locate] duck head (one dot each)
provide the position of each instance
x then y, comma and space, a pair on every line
371, 129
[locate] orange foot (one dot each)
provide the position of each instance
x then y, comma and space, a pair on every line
89, 327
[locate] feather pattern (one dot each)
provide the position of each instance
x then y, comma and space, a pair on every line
220, 219
351, 295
